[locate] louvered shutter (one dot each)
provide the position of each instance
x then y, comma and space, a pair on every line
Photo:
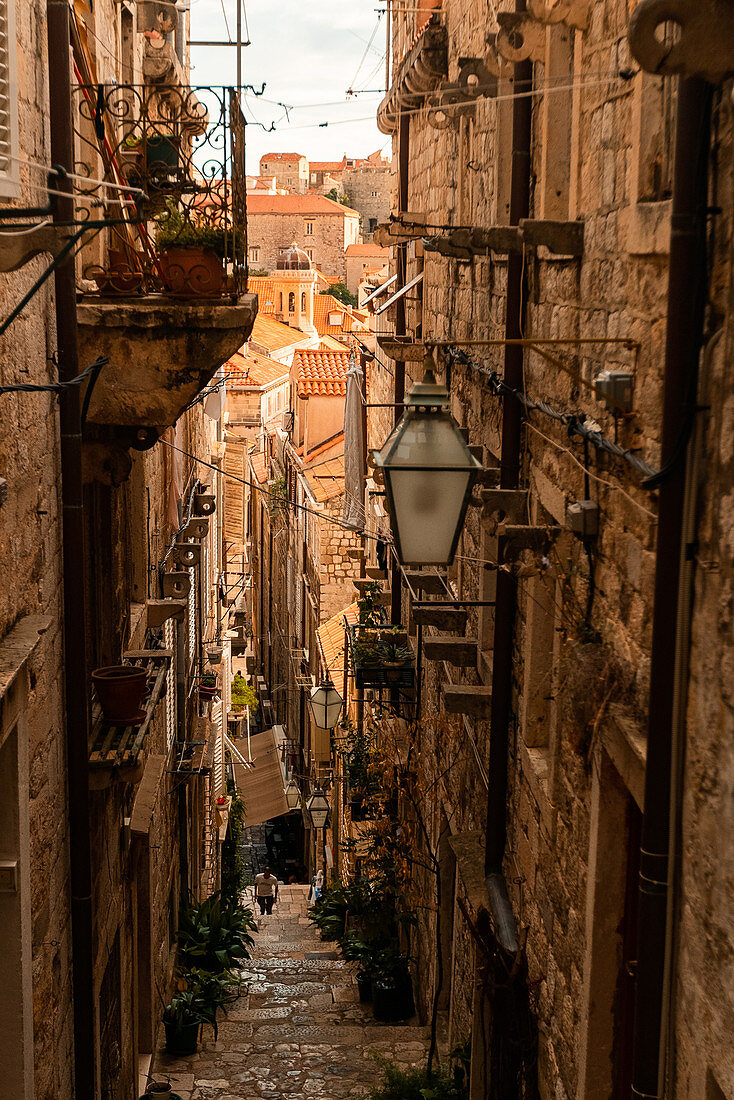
9, 168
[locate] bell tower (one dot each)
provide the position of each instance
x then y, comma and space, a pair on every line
295, 286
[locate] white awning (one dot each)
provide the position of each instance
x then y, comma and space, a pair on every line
261, 786
398, 294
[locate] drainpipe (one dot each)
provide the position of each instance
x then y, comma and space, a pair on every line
399, 391
75, 626
687, 288
504, 620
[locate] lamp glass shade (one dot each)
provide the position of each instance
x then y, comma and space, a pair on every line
292, 795
318, 808
326, 705
428, 471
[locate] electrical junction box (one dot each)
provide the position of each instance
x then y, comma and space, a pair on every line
615, 388
582, 517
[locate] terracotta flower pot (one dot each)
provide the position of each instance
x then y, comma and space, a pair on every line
120, 690
192, 272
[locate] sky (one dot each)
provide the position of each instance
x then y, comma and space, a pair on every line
306, 52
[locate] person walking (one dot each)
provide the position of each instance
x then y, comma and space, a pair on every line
266, 891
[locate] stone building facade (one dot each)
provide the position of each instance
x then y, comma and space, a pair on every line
368, 187
533, 714
322, 228
289, 170
104, 830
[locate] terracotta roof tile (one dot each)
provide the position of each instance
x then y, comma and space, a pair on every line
367, 250
273, 335
321, 373
331, 637
296, 204
248, 369
325, 305
259, 466
282, 156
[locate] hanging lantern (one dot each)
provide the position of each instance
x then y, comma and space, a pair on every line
292, 795
318, 808
326, 705
429, 472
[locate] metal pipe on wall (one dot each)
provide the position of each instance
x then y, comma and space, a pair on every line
687, 284
506, 595
75, 625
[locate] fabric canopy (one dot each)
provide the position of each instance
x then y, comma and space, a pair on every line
261, 786
353, 514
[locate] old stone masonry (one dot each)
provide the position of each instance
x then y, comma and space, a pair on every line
298, 1030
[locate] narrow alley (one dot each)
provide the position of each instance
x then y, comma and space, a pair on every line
298, 1030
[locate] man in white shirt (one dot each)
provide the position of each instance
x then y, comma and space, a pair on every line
266, 890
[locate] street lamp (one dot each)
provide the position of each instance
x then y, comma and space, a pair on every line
318, 808
326, 705
292, 795
429, 472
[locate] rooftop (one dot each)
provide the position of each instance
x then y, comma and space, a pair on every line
367, 250
321, 373
273, 335
283, 156
258, 371
325, 309
296, 204
331, 637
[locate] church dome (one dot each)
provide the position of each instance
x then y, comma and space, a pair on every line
293, 259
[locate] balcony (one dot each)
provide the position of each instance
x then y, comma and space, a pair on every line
163, 288
381, 657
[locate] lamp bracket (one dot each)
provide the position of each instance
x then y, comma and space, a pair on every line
510, 504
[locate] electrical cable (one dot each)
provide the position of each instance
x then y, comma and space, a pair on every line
58, 387
573, 422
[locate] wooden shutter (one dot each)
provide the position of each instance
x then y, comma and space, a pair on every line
9, 168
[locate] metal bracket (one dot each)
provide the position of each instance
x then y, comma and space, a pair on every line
176, 585
705, 47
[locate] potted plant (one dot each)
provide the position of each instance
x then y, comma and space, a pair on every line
207, 686
392, 986
191, 255
159, 1088
214, 654
362, 954
393, 655
369, 604
215, 936
199, 997
120, 690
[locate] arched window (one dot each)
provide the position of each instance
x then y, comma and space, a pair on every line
291, 302
303, 301
280, 301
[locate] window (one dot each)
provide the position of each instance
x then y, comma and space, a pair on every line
254, 255
303, 301
280, 301
374, 194
291, 302
336, 318
373, 224
309, 229
9, 168
309, 253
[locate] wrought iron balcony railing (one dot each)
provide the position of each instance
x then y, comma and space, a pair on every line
184, 148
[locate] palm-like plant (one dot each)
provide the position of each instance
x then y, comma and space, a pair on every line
213, 936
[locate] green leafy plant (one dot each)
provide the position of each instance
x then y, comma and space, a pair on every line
414, 1084
208, 680
176, 231
393, 652
243, 694
369, 604
233, 867
341, 292
334, 195
215, 936
277, 500
200, 995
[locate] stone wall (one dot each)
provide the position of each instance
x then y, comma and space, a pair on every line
337, 570
583, 620
369, 191
331, 234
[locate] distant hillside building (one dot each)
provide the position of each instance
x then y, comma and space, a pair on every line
290, 170
326, 229
363, 259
